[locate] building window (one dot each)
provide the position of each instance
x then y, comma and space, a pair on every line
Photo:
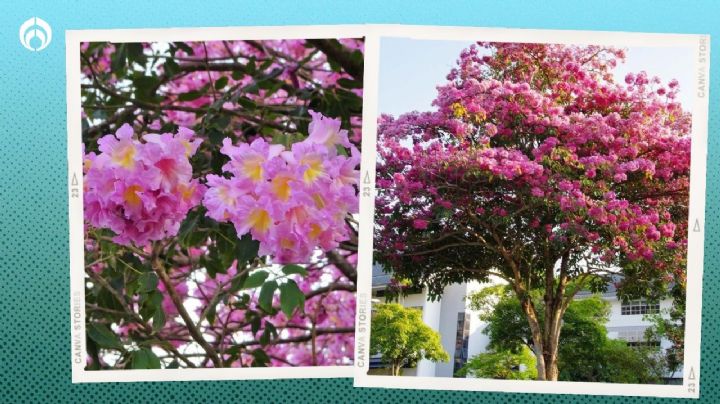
462, 339
634, 307
639, 344
635, 337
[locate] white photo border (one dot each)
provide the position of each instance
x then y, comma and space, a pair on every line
73, 39
691, 369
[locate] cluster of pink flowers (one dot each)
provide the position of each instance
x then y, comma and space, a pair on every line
141, 191
289, 200
555, 129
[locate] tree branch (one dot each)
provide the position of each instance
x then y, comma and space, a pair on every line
177, 301
303, 338
335, 52
341, 263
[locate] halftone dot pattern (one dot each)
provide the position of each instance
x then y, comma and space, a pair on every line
34, 276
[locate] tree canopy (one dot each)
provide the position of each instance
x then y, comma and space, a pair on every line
401, 337
538, 167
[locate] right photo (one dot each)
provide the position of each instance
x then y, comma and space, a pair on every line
531, 212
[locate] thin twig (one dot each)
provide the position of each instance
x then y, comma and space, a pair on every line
177, 301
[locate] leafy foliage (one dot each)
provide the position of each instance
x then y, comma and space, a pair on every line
586, 353
399, 335
501, 365
671, 325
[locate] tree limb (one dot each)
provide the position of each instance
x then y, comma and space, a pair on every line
335, 52
341, 263
177, 301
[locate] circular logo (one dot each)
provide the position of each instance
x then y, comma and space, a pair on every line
35, 34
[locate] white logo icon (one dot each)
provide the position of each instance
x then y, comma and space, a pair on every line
35, 34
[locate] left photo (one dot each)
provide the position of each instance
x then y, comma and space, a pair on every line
219, 192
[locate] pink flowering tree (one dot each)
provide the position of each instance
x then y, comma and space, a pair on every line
540, 169
220, 197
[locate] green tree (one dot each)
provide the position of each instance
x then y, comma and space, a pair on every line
502, 365
671, 325
586, 354
401, 337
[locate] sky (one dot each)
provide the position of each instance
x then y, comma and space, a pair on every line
410, 69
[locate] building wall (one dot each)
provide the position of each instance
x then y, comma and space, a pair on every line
453, 302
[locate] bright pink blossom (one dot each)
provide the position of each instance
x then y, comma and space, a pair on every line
141, 191
291, 201
420, 224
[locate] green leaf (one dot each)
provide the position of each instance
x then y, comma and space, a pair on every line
148, 282
221, 122
145, 358
212, 310
256, 279
266, 295
171, 67
347, 83
212, 264
246, 250
242, 302
255, 321
221, 83
92, 350
265, 64
158, 320
269, 332
189, 224
107, 300
294, 269
237, 284
149, 303
291, 297
250, 65
145, 87
118, 58
189, 235
335, 66
237, 74
261, 359
341, 150
130, 263
103, 336
135, 53
246, 103
216, 136
191, 95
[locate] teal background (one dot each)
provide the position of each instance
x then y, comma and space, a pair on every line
34, 274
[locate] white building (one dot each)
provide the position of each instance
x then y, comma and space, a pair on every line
461, 330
